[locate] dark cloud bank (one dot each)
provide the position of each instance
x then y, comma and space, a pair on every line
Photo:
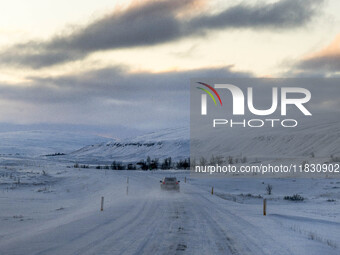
323, 64
153, 23
111, 96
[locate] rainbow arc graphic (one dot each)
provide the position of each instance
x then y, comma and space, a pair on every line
209, 93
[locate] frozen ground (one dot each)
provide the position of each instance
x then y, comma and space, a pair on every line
48, 208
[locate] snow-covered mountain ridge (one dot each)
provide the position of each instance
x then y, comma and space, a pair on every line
162, 144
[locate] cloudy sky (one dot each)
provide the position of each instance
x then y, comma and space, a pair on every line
128, 64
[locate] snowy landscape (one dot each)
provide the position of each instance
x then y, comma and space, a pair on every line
117, 115
50, 207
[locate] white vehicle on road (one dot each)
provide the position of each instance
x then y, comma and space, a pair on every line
169, 183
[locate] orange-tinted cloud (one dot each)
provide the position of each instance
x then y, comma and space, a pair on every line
326, 59
155, 22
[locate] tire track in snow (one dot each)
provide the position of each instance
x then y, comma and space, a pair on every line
245, 240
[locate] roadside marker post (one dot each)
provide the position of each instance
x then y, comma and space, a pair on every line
185, 179
265, 207
102, 204
127, 185
212, 190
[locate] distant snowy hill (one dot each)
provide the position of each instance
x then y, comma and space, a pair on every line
165, 143
321, 138
318, 138
41, 142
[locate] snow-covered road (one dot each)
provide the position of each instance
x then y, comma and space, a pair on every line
149, 221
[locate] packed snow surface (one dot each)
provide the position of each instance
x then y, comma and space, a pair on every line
49, 208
